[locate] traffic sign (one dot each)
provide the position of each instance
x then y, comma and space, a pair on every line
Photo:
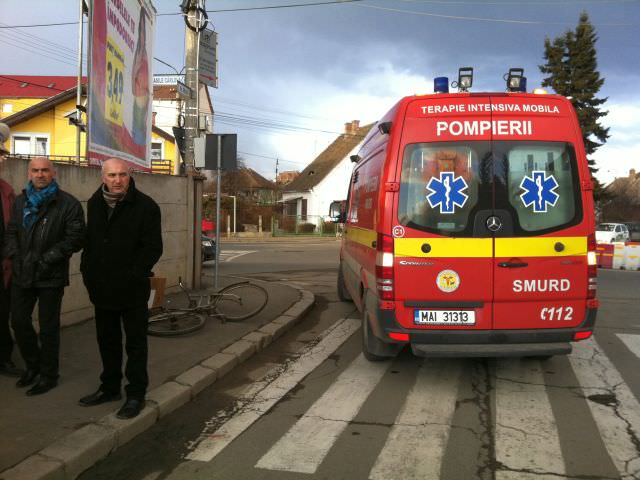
208, 58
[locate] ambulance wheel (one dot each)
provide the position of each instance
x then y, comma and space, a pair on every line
374, 349
343, 293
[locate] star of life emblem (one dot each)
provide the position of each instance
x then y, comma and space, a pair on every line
539, 191
447, 192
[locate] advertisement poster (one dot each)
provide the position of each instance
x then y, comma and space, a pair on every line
121, 81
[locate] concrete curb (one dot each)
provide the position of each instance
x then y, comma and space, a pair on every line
69, 456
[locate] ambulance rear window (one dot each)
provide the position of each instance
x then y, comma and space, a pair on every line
541, 184
441, 184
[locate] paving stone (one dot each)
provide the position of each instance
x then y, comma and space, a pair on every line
128, 429
261, 339
285, 320
198, 378
241, 349
35, 467
222, 363
169, 396
83, 448
274, 329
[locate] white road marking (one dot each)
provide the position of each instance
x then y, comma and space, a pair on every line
211, 445
305, 445
417, 441
228, 255
526, 436
613, 405
631, 341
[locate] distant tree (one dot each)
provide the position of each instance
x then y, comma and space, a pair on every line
571, 69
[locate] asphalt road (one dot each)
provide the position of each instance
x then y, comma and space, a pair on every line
310, 406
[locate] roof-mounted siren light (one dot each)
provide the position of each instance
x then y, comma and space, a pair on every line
441, 85
516, 81
465, 79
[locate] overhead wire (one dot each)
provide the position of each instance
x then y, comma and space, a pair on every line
484, 19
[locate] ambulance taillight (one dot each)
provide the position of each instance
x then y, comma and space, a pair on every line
592, 266
384, 267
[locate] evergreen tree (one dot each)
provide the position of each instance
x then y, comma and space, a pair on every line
571, 69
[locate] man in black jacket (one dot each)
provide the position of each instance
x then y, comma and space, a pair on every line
7, 197
45, 229
123, 243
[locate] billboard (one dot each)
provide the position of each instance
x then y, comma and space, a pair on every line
121, 81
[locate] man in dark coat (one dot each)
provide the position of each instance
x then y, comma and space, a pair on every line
7, 197
45, 229
123, 243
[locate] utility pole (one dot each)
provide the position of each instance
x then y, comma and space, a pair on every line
195, 18
195, 21
80, 127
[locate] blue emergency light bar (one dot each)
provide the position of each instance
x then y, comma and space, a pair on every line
441, 85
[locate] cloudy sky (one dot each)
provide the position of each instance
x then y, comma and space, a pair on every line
291, 77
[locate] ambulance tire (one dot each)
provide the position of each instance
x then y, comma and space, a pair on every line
343, 293
374, 349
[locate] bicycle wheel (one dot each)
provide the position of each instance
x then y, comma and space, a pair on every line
240, 301
174, 322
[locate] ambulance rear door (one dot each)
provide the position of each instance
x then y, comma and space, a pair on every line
540, 265
443, 252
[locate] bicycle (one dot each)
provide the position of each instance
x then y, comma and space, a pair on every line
232, 303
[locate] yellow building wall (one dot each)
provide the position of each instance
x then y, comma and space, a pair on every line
62, 135
169, 147
17, 105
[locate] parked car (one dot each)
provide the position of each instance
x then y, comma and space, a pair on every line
612, 232
208, 248
634, 231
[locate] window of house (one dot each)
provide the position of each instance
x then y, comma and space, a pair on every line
156, 150
30, 144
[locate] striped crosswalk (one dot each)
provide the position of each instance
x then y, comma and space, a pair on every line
526, 437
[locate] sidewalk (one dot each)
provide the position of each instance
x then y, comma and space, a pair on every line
51, 437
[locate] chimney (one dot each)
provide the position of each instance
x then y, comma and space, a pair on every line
632, 173
351, 128
153, 118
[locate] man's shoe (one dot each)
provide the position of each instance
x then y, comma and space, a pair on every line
43, 386
29, 377
131, 408
98, 398
9, 369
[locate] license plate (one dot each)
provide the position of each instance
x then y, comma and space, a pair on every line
444, 317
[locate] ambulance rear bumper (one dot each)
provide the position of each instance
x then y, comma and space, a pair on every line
490, 343
490, 350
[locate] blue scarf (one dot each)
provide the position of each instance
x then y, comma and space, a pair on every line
35, 199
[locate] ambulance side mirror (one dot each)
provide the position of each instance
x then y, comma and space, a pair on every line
337, 211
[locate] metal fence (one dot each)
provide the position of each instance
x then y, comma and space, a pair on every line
309, 225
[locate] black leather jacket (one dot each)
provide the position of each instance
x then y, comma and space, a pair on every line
41, 253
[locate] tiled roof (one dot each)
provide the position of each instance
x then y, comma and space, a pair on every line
164, 92
244, 179
313, 174
35, 86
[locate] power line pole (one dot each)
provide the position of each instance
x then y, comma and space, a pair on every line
195, 21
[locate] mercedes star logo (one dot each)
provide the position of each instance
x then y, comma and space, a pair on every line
494, 224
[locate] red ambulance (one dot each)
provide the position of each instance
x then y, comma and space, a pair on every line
469, 228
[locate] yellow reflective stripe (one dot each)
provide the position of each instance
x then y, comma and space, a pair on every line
361, 235
540, 246
444, 247
476, 247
